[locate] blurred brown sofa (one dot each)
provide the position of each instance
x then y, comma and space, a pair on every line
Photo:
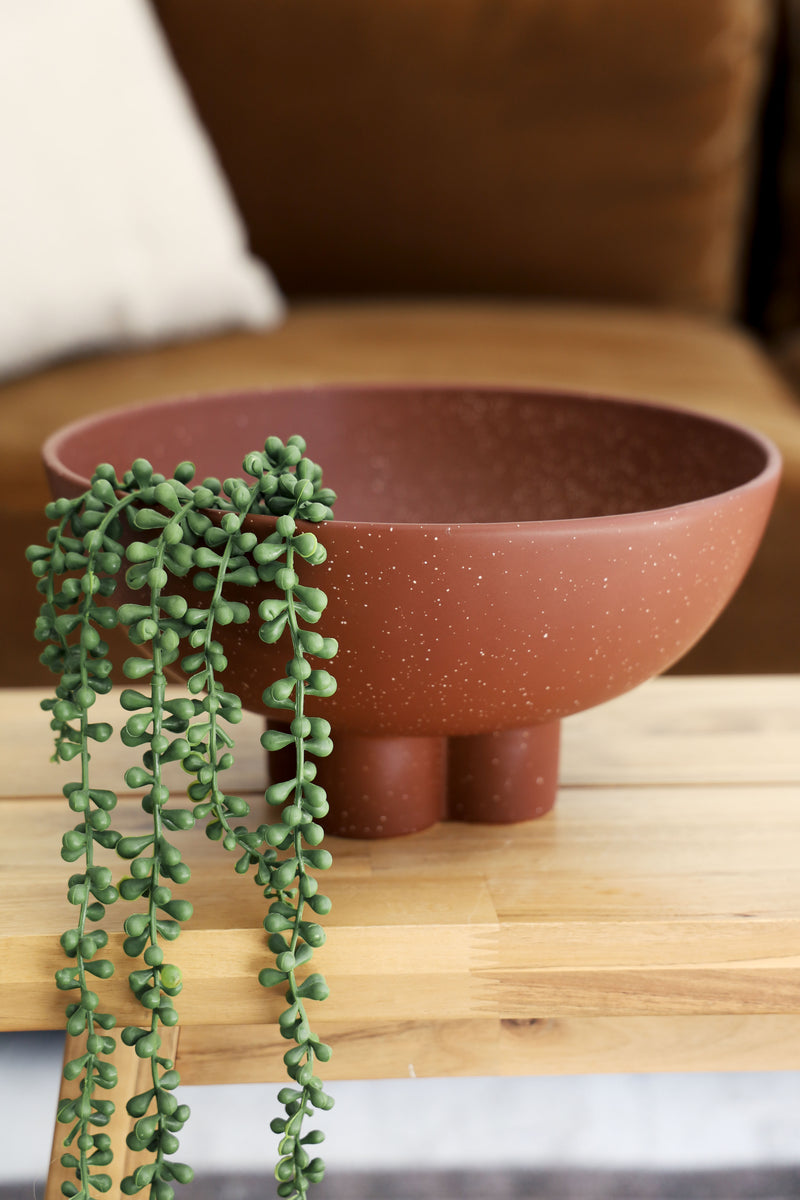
582, 193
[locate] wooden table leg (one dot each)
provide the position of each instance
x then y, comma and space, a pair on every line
133, 1077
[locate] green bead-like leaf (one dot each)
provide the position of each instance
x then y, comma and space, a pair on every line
141, 552
271, 631
137, 668
320, 683
283, 875
269, 977
276, 739
131, 847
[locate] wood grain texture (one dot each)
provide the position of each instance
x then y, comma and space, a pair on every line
661, 891
382, 1049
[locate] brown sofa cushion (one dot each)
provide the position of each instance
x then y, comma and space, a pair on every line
672, 358
574, 148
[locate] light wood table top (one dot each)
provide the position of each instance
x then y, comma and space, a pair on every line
651, 921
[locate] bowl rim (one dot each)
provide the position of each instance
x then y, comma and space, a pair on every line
769, 475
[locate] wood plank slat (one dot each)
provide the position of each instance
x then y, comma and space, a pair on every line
688, 730
382, 1049
494, 936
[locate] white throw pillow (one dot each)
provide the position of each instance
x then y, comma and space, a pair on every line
116, 226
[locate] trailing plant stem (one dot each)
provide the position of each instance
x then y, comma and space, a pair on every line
157, 690
81, 1017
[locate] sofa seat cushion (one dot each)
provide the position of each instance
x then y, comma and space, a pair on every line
694, 362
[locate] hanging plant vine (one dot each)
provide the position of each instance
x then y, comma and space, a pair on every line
159, 530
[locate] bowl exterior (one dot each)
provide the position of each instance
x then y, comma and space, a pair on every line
468, 628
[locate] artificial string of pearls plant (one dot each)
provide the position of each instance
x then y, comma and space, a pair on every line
89, 545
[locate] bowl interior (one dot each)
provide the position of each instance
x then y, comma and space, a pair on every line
441, 455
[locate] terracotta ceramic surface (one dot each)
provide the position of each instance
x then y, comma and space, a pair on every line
500, 558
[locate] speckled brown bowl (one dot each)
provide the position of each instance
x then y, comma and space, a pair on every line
500, 558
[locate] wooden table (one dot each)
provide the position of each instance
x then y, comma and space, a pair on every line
651, 922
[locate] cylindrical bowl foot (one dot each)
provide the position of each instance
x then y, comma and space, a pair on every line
501, 777
383, 786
